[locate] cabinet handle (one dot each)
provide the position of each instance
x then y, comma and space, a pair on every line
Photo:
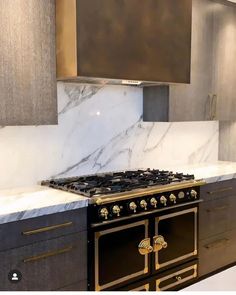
220, 190
214, 106
216, 244
216, 209
48, 254
45, 229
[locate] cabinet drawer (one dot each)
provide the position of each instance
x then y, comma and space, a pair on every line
217, 252
219, 189
80, 286
24, 232
217, 216
46, 266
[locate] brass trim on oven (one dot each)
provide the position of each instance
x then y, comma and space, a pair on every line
158, 219
146, 287
45, 229
96, 253
179, 280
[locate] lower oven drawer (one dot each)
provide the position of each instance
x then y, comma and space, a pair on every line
172, 280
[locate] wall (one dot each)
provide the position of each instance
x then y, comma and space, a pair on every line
100, 129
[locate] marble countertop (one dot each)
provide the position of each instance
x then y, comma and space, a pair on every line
30, 202
24, 203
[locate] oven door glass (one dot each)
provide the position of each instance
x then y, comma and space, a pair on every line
118, 257
175, 237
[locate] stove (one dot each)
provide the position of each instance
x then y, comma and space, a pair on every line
142, 228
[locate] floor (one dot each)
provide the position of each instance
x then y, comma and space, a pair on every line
224, 281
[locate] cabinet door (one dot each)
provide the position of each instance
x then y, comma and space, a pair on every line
27, 63
224, 70
192, 102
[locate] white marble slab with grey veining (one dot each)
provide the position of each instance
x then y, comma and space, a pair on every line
25, 203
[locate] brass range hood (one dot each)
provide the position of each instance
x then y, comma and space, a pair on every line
131, 42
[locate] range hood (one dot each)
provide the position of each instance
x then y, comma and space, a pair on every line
131, 42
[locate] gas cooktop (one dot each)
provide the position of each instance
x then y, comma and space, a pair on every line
117, 182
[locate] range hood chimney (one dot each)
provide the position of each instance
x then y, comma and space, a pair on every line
127, 42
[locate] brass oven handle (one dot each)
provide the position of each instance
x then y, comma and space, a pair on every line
217, 244
145, 247
159, 243
48, 254
220, 190
45, 229
216, 209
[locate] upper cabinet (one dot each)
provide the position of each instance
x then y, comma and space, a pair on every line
27, 62
211, 94
129, 41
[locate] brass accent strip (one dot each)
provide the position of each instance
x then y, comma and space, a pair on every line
45, 229
66, 38
194, 210
48, 254
222, 190
181, 281
146, 287
145, 192
96, 253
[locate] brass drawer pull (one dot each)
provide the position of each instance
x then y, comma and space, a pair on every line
222, 190
45, 229
216, 209
48, 254
216, 244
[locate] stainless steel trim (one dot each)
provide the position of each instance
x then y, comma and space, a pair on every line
145, 192
194, 275
158, 219
146, 287
96, 253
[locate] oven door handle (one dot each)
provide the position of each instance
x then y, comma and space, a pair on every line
145, 247
159, 243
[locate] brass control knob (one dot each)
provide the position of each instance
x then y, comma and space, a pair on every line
193, 194
104, 213
143, 204
116, 210
133, 206
173, 198
163, 200
153, 202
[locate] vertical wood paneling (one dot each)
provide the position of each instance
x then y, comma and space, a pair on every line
27, 62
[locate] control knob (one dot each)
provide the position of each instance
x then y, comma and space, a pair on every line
116, 210
143, 204
133, 206
173, 198
104, 213
153, 202
163, 200
193, 194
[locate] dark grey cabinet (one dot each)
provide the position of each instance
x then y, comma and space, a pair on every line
49, 251
27, 63
217, 226
211, 94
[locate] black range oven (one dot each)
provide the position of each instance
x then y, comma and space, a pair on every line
142, 228
151, 250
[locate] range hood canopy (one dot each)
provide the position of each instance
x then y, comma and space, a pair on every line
129, 42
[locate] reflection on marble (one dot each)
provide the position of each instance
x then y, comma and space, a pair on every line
100, 129
19, 204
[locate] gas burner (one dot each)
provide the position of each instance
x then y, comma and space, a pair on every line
117, 182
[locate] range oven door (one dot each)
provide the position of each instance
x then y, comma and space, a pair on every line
121, 254
175, 238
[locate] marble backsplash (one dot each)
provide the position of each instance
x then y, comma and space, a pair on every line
100, 129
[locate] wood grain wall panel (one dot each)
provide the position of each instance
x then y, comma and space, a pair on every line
27, 62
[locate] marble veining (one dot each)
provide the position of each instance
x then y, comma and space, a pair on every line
100, 129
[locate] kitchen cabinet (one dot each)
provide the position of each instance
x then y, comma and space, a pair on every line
211, 93
217, 226
107, 41
49, 251
27, 63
